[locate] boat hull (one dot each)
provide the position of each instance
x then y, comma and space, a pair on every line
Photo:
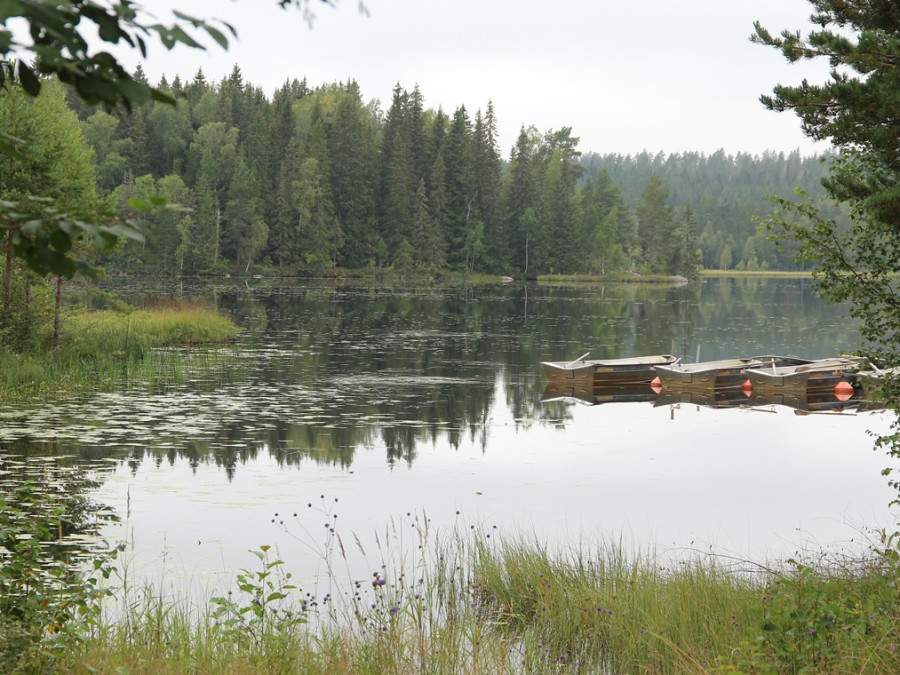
706, 375
820, 375
609, 372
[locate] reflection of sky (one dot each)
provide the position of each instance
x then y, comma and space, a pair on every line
755, 483
324, 378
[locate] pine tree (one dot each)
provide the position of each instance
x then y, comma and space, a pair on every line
518, 197
656, 227
559, 236
283, 244
398, 209
428, 252
488, 171
460, 187
856, 109
688, 258
244, 230
320, 234
351, 140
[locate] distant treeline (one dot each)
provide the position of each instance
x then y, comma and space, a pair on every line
315, 179
727, 193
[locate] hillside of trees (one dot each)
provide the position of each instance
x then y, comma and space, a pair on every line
317, 178
726, 193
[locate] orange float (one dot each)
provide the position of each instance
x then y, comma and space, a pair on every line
843, 391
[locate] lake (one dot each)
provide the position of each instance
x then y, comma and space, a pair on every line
365, 408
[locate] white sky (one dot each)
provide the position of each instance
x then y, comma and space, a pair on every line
626, 75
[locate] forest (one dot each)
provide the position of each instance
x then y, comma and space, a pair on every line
311, 180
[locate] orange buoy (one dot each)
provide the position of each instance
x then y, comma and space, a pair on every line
843, 391
747, 388
656, 385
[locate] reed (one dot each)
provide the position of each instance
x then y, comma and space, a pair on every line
470, 605
615, 613
103, 349
93, 334
626, 613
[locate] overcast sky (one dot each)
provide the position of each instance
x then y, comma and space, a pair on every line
626, 75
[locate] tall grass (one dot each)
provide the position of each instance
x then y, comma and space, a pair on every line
616, 613
468, 604
102, 349
92, 334
624, 613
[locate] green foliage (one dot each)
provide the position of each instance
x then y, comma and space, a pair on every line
44, 236
27, 311
49, 598
58, 41
727, 194
48, 198
656, 227
101, 349
853, 109
857, 264
267, 607
823, 621
689, 256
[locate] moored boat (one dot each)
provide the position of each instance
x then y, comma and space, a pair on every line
818, 374
622, 372
705, 374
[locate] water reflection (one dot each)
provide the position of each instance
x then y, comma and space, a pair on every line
398, 400
801, 400
324, 370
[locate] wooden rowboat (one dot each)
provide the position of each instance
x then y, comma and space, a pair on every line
706, 374
620, 372
818, 374
720, 374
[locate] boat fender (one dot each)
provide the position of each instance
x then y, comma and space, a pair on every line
843, 391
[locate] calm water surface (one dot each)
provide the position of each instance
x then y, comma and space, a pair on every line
367, 407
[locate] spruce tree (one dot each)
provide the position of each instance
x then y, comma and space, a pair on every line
855, 109
656, 227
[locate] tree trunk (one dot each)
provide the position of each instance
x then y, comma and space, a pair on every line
7, 276
526, 256
56, 312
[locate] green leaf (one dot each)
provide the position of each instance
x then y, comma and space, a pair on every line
29, 81
9, 8
216, 35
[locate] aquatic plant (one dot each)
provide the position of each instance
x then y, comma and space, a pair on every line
469, 600
99, 350
50, 593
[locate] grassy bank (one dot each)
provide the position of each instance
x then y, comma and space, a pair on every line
100, 349
515, 608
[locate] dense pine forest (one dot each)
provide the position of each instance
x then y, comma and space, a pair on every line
314, 179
